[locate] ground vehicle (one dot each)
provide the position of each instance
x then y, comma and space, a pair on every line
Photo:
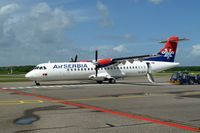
185, 78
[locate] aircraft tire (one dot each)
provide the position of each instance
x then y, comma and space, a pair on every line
37, 84
112, 81
99, 82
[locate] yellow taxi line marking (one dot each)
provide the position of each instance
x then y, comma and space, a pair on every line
21, 102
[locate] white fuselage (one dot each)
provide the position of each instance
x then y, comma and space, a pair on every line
86, 70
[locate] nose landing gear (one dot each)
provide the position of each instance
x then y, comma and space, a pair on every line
37, 83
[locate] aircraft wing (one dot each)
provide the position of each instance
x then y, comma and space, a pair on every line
111, 61
132, 58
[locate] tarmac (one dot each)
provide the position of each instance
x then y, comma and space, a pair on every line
130, 106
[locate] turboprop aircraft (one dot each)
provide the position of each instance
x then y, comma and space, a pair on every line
109, 69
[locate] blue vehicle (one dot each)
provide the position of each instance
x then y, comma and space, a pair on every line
185, 78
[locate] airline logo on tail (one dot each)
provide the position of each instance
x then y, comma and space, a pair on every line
168, 53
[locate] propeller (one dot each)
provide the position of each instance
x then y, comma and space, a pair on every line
149, 74
75, 59
96, 63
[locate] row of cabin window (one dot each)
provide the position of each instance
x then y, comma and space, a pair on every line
108, 68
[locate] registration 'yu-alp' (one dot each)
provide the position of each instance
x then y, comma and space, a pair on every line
108, 69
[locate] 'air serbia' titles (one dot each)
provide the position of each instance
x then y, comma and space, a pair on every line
65, 66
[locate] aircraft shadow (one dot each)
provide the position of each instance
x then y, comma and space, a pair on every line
105, 83
143, 83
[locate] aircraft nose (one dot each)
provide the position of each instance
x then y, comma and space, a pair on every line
28, 75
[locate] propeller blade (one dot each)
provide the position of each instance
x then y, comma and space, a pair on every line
96, 66
96, 55
72, 60
96, 71
76, 57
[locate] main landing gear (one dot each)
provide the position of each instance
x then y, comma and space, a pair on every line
37, 83
110, 81
99, 82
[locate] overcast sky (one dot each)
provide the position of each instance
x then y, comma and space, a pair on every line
38, 31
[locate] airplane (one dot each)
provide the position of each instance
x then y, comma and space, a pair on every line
109, 69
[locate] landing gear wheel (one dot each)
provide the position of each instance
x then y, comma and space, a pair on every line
37, 84
99, 82
111, 81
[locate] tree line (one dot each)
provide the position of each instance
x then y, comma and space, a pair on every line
184, 68
16, 69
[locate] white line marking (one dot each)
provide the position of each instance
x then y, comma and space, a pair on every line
12, 88
53, 86
68, 86
29, 87
4, 88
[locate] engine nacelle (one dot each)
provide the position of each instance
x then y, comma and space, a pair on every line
104, 62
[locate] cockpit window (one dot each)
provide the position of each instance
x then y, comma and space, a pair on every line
36, 67
40, 67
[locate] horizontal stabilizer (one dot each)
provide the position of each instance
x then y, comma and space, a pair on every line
174, 40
